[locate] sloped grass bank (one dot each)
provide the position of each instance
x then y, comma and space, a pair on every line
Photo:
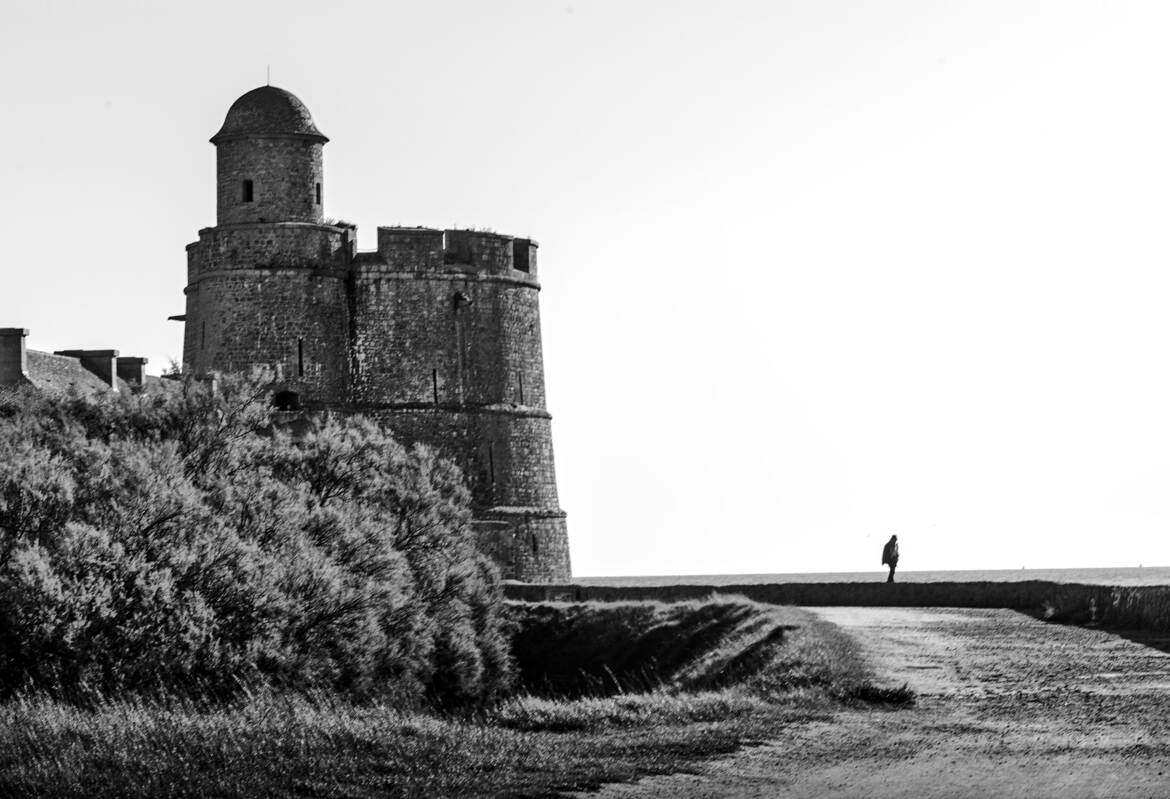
597, 649
720, 675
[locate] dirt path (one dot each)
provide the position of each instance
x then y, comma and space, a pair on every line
1008, 707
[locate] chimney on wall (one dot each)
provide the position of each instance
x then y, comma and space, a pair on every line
102, 363
13, 358
132, 370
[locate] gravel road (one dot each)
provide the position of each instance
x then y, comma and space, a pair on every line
1009, 706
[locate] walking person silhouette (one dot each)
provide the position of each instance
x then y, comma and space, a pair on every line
890, 556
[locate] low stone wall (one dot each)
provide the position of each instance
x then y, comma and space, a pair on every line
1137, 607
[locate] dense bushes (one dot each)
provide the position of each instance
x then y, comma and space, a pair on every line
177, 541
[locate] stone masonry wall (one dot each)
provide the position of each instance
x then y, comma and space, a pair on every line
507, 458
446, 338
272, 244
284, 171
529, 547
437, 335
274, 296
446, 351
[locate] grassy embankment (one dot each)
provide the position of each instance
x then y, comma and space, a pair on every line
609, 691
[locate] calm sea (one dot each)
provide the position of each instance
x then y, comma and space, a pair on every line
1149, 575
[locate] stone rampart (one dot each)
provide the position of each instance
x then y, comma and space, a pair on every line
446, 350
419, 249
1122, 607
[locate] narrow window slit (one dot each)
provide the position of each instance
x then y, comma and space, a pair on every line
248, 192
300, 357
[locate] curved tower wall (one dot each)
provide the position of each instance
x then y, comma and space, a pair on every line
446, 351
272, 296
266, 287
284, 173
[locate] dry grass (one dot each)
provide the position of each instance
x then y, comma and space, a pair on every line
320, 745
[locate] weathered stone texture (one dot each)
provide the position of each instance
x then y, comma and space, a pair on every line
506, 456
272, 296
290, 322
531, 546
436, 334
439, 338
272, 244
285, 173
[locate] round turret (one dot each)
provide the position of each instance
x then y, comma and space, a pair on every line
266, 285
269, 160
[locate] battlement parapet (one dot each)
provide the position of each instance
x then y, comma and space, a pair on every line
419, 249
270, 245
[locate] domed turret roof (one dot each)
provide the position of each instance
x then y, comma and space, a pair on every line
268, 111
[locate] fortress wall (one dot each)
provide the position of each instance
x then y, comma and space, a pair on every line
404, 342
524, 256
507, 459
520, 451
262, 246
480, 250
501, 331
411, 249
1144, 607
533, 545
1021, 595
1124, 607
284, 171
272, 295
446, 351
292, 321
430, 330
447, 339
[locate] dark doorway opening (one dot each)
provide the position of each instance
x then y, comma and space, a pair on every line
286, 401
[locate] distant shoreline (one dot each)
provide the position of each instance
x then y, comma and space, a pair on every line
1132, 576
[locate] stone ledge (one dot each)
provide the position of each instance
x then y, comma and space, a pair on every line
1125, 607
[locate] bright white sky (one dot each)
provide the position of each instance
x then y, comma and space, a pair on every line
814, 272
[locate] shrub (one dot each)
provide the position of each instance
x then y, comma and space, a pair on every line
177, 541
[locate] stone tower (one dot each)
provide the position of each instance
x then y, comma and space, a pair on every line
436, 333
267, 285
